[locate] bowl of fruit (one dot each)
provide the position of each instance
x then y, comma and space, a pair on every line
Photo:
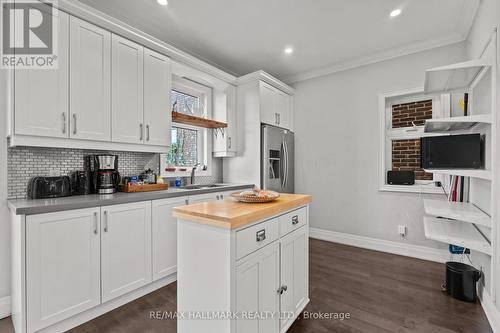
256, 195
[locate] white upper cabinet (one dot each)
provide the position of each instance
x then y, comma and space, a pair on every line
267, 112
126, 248
62, 265
41, 95
282, 106
90, 86
225, 142
157, 85
127, 91
275, 106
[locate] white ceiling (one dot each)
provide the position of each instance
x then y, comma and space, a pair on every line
327, 35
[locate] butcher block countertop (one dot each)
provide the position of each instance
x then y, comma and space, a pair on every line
231, 214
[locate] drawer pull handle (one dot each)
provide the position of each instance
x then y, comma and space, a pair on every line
282, 289
261, 235
295, 220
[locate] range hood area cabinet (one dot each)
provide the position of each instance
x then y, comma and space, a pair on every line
225, 140
107, 93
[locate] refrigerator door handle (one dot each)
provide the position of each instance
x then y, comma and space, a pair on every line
282, 165
286, 164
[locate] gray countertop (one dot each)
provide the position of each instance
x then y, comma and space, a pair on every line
40, 206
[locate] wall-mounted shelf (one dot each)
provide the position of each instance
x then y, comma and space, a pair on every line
456, 123
456, 233
454, 77
462, 211
182, 118
475, 173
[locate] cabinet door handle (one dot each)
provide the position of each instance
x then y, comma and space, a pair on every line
186, 201
222, 196
276, 118
279, 119
64, 122
141, 130
74, 123
95, 223
295, 220
147, 132
282, 289
261, 235
105, 221
229, 142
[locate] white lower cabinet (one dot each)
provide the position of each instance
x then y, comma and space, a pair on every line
255, 272
257, 282
126, 248
294, 264
165, 237
273, 279
62, 265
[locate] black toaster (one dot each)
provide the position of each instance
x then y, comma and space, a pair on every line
49, 187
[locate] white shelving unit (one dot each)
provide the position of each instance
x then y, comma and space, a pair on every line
475, 173
457, 233
462, 211
456, 123
454, 77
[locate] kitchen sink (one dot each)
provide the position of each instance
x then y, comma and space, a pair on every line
200, 187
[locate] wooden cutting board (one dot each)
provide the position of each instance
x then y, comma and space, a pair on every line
143, 188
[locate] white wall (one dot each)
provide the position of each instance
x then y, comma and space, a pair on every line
337, 147
4, 212
487, 18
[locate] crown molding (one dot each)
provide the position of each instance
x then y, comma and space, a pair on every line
266, 77
94, 16
375, 58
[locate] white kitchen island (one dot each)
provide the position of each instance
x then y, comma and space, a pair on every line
242, 267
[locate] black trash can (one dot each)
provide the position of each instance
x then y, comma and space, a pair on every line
461, 281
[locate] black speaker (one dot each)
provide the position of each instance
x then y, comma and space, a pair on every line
400, 177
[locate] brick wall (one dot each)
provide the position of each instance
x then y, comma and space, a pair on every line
417, 112
406, 157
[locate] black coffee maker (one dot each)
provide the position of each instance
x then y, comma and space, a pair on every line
104, 169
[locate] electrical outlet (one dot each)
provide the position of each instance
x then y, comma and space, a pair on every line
402, 230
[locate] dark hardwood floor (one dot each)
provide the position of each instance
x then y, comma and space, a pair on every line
381, 292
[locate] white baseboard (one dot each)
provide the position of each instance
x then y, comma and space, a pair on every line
490, 310
408, 250
4, 307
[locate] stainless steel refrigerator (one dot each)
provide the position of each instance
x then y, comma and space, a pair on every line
277, 158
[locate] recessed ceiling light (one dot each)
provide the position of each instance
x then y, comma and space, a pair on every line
163, 2
395, 12
288, 50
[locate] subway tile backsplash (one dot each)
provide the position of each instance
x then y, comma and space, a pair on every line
27, 162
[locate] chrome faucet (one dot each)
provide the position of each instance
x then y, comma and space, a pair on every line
194, 169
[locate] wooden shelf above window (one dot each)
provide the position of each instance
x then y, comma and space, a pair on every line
186, 119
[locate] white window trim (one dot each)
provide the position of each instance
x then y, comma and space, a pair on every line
204, 135
421, 187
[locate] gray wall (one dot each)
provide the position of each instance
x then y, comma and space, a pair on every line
337, 147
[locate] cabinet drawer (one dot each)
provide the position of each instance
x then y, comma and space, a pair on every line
292, 220
253, 238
